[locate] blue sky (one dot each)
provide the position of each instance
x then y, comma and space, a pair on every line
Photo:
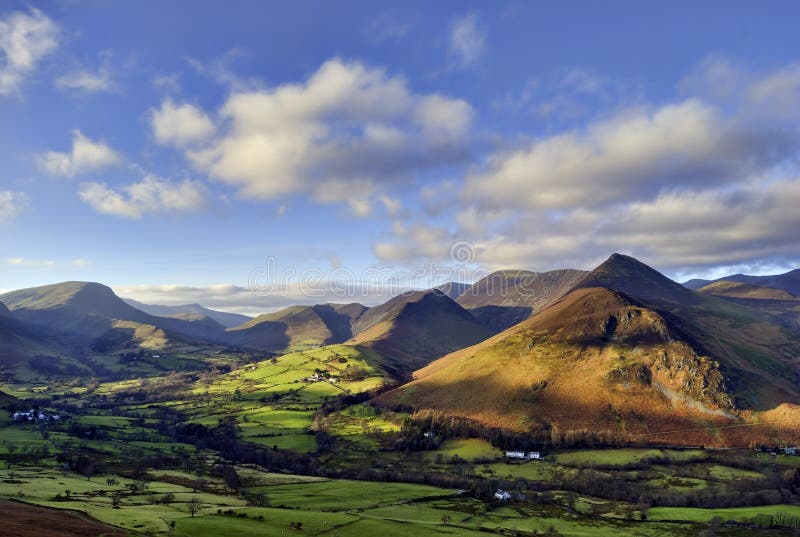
170, 149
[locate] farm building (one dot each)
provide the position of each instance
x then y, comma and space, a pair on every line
502, 495
527, 455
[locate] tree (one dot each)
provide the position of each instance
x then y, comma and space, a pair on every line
194, 505
167, 497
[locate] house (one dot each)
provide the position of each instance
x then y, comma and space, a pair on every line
790, 450
156, 356
428, 434
529, 455
502, 495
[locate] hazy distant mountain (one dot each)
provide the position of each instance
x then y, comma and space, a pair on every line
626, 351
507, 297
789, 281
228, 320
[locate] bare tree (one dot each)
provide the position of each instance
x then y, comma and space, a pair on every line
194, 505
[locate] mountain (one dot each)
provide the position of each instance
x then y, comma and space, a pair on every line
189, 311
789, 282
729, 289
632, 277
90, 315
755, 347
299, 327
626, 352
507, 297
453, 290
416, 327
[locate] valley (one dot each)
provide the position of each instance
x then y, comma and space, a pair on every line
655, 410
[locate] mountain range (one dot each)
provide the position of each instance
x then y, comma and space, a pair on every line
619, 350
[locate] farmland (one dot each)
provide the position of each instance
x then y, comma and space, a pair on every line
293, 444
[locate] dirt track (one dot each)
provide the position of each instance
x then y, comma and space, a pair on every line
24, 520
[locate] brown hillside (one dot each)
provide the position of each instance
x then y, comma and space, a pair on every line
596, 360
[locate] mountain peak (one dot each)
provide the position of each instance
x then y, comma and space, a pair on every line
634, 278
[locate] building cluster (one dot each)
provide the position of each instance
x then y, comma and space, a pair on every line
34, 415
526, 455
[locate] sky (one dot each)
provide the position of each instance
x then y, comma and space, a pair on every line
252, 154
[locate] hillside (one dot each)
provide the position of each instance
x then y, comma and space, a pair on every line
507, 297
299, 327
414, 328
729, 289
789, 282
190, 311
602, 359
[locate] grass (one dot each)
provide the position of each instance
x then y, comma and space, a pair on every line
738, 514
623, 457
466, 448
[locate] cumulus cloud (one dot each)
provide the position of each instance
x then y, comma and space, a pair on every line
710, 180
84, 157
346, 133
150, 195
466, 40
25, 38
12, 204
180, 124
631, 155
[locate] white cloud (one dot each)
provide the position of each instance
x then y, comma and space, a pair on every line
631, 155
12, 204
392, 205
80, 262
25, 38
169, 83
705, 182
88, 81
85, 156
180, 124
150, 195
466, 41
23, 262
347, 132
243, 300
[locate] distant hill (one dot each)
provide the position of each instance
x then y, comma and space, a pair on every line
90, 314
299, 327
626, 352
190, 311
414, 328
724, 288
507, 297
789, 281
